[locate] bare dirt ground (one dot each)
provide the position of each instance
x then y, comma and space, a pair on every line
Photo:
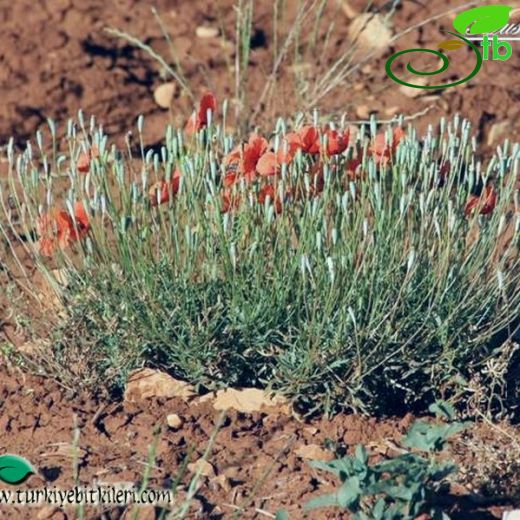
55, 59
38, 421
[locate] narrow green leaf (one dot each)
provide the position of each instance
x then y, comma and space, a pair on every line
328, 500
443, 410
349, 493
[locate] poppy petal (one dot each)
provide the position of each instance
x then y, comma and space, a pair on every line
207, 103
268, 164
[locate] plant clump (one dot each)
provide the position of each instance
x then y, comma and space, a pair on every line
344, 267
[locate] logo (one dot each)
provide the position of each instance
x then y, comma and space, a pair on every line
476, 21
14, 469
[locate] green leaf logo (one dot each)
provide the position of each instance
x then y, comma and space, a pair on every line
14, 469
482, 19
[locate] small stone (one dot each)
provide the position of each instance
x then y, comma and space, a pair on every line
432, 98
412, 92
391, 111
205, 468
73, 24
369, 32
363, 112
314, 452
163, 94
174, 421
222, 481
204, 31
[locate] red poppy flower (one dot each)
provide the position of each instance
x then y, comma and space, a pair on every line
230, 201
85, 159
242, 163
485, 203
383, 151
80, 223
270, 191
337, 142
159, 192
199, 119
271, 162
309, 138
53, 231
57, 229
353, 169
294, 141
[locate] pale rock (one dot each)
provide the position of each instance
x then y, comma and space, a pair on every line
204, 31
363, 111
174, 421
163, 94
249, 400
146, 382
222, 481
313, 452
391, 111
205, 468
370, 32
412, 92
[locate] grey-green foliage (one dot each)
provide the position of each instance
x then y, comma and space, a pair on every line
367, 296
400, 488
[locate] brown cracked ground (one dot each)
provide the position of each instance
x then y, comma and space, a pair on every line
251, 450
56, 58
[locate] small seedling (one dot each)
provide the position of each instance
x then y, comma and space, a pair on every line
400, 488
